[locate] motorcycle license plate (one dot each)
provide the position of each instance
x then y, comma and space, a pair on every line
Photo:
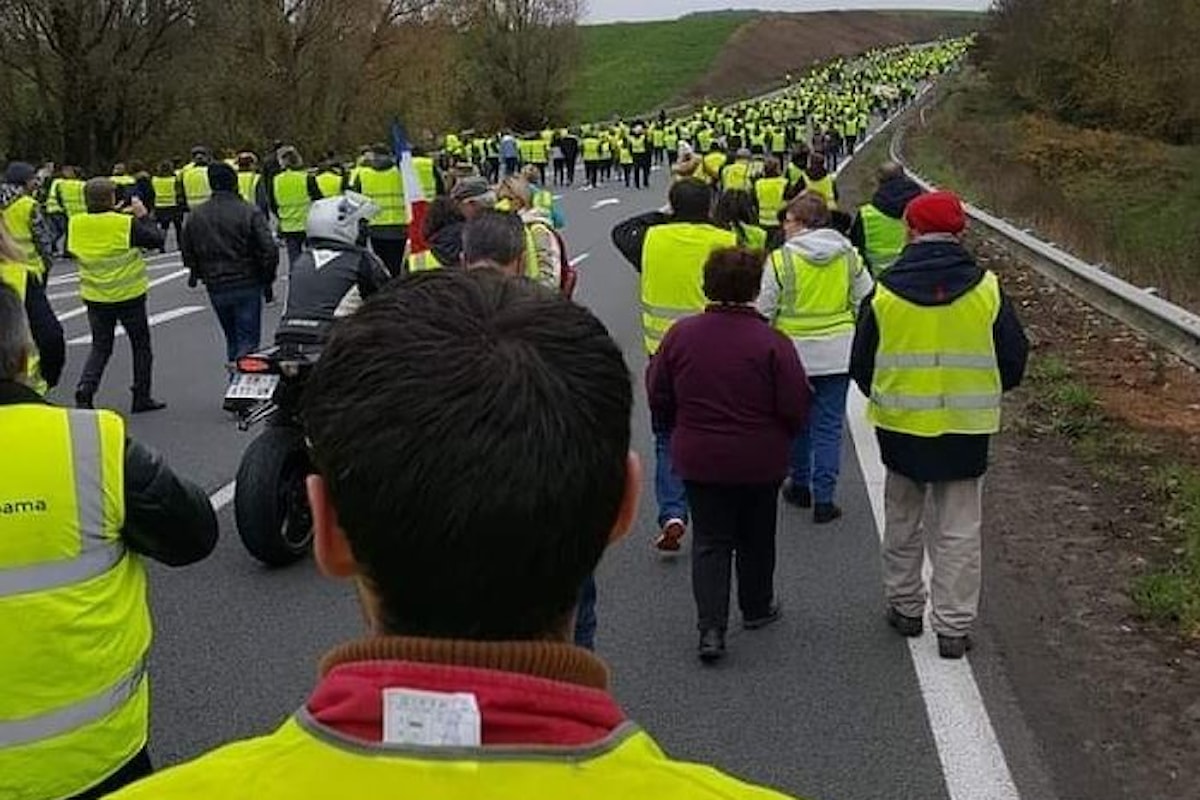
252, 387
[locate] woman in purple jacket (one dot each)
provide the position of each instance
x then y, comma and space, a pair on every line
733, 393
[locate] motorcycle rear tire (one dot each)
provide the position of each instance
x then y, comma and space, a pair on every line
270, 501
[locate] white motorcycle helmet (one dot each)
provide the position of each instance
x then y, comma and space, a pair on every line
342, 218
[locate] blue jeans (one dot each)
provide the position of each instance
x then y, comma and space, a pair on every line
585, 615
240, 313
668, 487
817, 451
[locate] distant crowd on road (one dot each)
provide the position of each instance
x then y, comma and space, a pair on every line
453, 357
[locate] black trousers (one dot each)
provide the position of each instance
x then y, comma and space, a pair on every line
733, 525
592, 171
135, 769
627, 169
47, 332
641, 170
167, 217
294, 242
391, 253
102, 320
570, 170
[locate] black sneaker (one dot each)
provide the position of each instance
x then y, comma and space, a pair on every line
798, 496
141, 405
905, 625
774, 614
825, 512
712, 645
953, 647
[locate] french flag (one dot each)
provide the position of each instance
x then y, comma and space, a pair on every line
414, 195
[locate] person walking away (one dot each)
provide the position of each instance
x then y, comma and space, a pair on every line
592, 159
539, 156
332, 278
688, 165
227, 245
935, 347
733, 394
768, 192
443, 231
194, 178
818, 180
380, 180
168, 201
811, 289
736, 176
290, 201
570, 151
113, 284
670, 250
879, 231
56, 215
328, 181
625, 158
510, 153
34, 237
451, 634
543, 249
735, 211
251, 186
74, 616
714, 162
639, 146
543, 198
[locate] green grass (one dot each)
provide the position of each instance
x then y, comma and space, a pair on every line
636, 67
1071, 407
1172, 595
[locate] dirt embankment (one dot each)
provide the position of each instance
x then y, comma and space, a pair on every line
763, 50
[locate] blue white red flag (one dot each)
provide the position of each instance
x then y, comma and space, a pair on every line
414, 193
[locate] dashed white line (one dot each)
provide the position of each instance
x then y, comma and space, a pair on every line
608, 201
153, 319
172, 261
579, 259
223, 496
78, 312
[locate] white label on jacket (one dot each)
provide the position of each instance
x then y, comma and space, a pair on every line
433, 719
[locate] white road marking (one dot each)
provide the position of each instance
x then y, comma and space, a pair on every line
153, 319
223, 496
172, 261
608, 201
78, 312
579, 259
558, 197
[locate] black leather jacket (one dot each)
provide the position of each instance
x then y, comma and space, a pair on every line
227, 244
167, 518
321, 288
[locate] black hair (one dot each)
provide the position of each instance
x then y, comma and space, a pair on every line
473, 430
734, 207
691, 200
495, 236
441, 212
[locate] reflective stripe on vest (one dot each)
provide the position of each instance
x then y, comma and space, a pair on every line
248, 186
76, 706
814, 301
16, 276
196, 189
110, 270
386, 188
769, 192
18, 218
53, 203
70, 195
673, 257
292, 200
164, 191
885, 238
936, 371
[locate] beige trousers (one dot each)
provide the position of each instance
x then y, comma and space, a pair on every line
950, 533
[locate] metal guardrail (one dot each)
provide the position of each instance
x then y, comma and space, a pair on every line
1170, 325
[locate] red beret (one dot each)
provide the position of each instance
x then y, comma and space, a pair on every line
936, 212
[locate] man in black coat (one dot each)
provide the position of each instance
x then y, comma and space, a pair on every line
227, 245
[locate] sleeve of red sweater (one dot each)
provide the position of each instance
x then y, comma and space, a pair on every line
792, 393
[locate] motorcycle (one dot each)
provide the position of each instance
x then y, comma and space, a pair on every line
271, 508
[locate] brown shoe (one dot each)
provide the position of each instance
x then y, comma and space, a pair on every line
670, 536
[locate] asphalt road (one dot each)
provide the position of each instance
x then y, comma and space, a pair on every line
826, 704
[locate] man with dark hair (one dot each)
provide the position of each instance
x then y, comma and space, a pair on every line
879, 231
228, 245
470, 434
669, 250
113, 284
494, 239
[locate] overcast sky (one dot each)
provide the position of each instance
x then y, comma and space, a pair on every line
615, 10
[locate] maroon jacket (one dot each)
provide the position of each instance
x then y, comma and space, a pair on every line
732, 392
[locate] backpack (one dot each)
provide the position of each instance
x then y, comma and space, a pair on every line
569, 276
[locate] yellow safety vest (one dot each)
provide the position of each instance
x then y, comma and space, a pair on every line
53, 203
196, 189
70, 195
330, 184
823, 187
164, 191
538, 151
422, 262
423, 165
769, 192
248, 186
74, 622
591, 149
885, 237
637, 144
386, 188
292, 200
18, 218
713, 163
936, 371
533, 270
16, 276
673, 257
814, 300
303, 761
110, 270
736, 177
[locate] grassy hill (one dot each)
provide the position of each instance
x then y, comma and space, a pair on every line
637, 67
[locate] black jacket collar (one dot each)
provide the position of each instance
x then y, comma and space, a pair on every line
13, 393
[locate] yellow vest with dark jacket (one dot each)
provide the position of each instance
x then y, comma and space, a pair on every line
74, 623
673, 257
302, 761
18, 218
292, 200
111, 269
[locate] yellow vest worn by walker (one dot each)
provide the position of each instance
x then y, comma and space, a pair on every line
936, 370
292, 200
74, 622
196, 189
165, 195
885, 237
110, 269
673, 257
305, 761
16, 277
386, 189
814, 300
18, 218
